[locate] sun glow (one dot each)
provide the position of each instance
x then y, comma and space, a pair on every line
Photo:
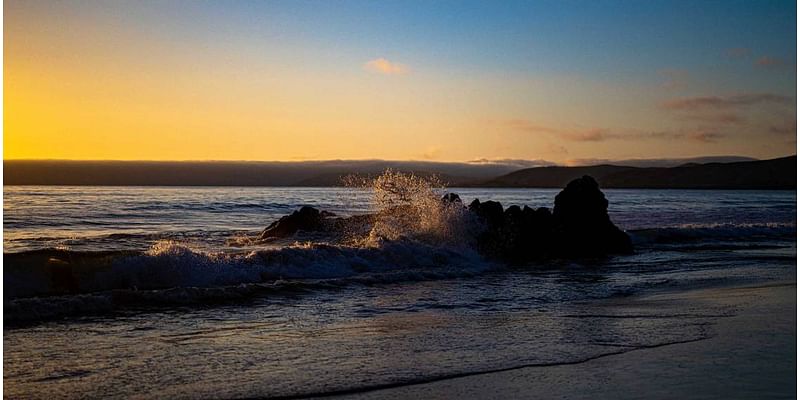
152, 81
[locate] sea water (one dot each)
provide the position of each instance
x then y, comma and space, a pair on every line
170, 301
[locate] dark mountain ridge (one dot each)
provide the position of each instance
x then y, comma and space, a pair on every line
778, 173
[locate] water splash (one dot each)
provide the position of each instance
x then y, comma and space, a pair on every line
409, 206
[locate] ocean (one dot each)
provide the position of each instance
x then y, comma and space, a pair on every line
172, 298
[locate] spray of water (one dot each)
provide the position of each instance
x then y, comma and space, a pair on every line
409, 206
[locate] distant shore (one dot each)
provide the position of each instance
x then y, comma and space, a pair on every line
751, 354
775, 174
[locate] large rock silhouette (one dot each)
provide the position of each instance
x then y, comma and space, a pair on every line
578, 227
582, 226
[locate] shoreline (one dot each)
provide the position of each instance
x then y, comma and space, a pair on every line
749, 353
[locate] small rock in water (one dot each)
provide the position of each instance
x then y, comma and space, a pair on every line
451, 198
305, 219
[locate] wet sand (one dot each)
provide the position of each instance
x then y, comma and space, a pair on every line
750, 352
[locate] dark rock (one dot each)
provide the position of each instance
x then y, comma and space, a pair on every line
513, 213
579, 225
309, 219
305, 219
451, 198
582, 226
544, 213
581, 200
513, 222
492, 239
536, 229
513, 239
491, 212
475, 205
528, 216
526, 235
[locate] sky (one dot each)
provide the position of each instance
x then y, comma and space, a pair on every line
401, 80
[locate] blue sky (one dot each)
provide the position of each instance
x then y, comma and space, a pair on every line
553, 79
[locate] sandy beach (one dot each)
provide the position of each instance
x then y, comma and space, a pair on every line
749, 353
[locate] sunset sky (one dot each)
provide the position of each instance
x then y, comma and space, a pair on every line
402, 80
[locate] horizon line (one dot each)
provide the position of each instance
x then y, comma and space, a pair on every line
473, 162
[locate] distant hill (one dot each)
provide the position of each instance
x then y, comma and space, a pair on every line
779, 173
661, 162
769, 174
233, 173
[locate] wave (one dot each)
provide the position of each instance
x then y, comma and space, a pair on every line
711, 234
170, 264
413, 237
45, 281
46, 284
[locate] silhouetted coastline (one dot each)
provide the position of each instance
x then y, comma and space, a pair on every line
779, 173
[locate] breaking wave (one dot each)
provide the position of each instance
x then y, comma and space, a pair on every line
49, 283
170, 264
45, 284
411, 236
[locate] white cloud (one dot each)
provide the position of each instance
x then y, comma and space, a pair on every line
386, 67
